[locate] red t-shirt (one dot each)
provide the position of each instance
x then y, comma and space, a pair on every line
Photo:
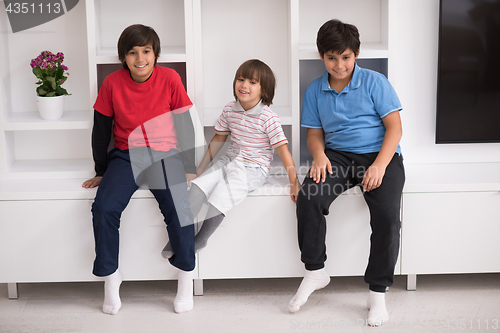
142, 111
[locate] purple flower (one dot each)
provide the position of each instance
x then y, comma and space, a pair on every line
46, 64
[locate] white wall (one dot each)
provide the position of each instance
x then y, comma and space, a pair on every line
414, 75
65, 34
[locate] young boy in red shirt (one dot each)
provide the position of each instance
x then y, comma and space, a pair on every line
141, 105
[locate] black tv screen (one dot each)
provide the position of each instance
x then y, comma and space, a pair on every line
468, 95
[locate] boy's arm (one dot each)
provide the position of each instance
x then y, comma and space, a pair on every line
393, 133
101, 137
213, 148
321, 163
186, 140
287, 160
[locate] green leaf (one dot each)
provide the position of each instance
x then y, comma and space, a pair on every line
38, 72
51, 94
61, 91
52, 81
59, 73
40, 91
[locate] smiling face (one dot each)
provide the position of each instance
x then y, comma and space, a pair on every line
141, 62
248, 92
340, 67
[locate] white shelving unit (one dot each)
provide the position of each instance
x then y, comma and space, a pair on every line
173, 21
32, 148
262, 32
45, 160
199, 34
372, 20
450, 219
291, 44
370, 17
166, 16
31, 121
43, 163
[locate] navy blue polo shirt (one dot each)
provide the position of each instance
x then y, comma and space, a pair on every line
351, 119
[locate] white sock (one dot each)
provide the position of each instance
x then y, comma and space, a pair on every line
184, 299
313, 280
112, 302
377, 314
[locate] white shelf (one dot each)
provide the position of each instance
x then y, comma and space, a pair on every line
225, 48
192, 32
71, 188
367, 51
53, 189
452, 177
29, 121
51, 169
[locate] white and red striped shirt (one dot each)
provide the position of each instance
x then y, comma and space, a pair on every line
254, 133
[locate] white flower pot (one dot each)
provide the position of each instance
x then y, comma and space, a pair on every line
50, 108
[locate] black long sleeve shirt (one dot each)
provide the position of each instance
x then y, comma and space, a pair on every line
102, 131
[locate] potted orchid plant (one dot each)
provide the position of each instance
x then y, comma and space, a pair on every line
50, 72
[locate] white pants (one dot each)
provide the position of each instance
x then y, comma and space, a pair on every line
228, 182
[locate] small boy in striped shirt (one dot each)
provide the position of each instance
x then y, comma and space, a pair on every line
255, 132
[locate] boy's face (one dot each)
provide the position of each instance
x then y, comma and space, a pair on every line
340, 66
140, 61
248, 92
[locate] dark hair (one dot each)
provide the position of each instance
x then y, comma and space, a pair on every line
256, 69
337, 36
137, 35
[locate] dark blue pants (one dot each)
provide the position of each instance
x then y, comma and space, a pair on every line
113, 195
384, 203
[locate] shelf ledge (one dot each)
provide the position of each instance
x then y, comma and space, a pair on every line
57, 169
30, 121
452, 177
71, 189
420, 178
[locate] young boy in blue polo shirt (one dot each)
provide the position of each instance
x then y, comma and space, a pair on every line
353, 133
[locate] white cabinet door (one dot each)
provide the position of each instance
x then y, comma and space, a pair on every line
143, 235
258, 239
348, 236
46, 241
52, 241
451, 232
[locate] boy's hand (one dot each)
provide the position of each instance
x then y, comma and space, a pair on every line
320, 166
91, 183
373, 177
190, 177
375, 173
294, 190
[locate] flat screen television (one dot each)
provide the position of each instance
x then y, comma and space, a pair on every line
468, 94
